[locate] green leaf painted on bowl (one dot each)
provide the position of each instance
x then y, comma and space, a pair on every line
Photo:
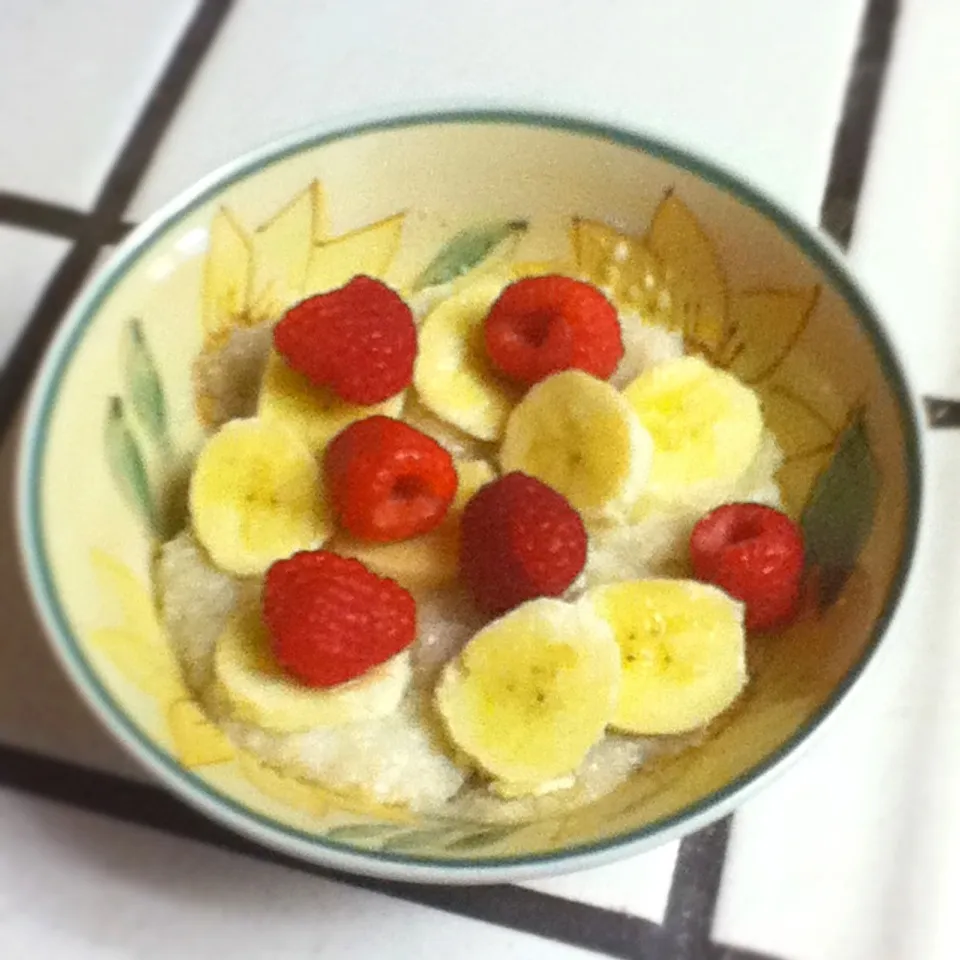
365, 833
840, 510
143, 386
481, 838
467, 250
126, 462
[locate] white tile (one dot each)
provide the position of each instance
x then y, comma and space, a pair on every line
78, 887
925, 881
907, 243
74, 75
27, 260
757, 84
639, 886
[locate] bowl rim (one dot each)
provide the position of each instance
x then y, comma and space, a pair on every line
272, 834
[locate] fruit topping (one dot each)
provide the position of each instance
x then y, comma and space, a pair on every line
541, 325
681, 650
359, 340
706, 428
532, 692
331, 620
580, 436
255, 497
387, 481
519, 539
756, 555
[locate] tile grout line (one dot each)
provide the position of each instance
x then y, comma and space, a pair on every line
103, 222
42, 216
851, 147
603, 931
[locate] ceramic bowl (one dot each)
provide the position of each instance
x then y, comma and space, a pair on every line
113, 421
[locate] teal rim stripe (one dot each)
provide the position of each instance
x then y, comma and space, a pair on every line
201, 794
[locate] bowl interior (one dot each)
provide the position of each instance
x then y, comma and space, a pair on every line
115, 422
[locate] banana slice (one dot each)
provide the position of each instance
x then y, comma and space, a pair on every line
578, 435
681, 650
250, 687
453, 377
429, 561
706, 428
255, 497
315, 413
532, 692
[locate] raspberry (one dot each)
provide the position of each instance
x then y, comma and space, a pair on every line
755, 554
388, 481
519, 539
360, 341
331, 620
541, 325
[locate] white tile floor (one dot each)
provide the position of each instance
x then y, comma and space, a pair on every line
78, 887
74, 75
756, 84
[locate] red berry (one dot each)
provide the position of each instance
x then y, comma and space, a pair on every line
360, 341
519, 539
331, 620
755, 554
541, 325
388, 481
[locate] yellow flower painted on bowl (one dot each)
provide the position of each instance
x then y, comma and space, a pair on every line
134, 643
253, 275
198, 742
137, 649
310, 798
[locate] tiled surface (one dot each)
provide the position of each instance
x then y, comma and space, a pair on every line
840, 860
735, 78
77, 887
638, 886
907, 245
74, 75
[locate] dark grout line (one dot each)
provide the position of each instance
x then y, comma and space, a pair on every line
852, 145
942, 413
695, 889
104, 223
603, 931
42, 216
141, 146
24, 357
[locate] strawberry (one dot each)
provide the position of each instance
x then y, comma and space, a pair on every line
360, 341
331, 620
519, 539
388, 481
756, 555
541, 325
